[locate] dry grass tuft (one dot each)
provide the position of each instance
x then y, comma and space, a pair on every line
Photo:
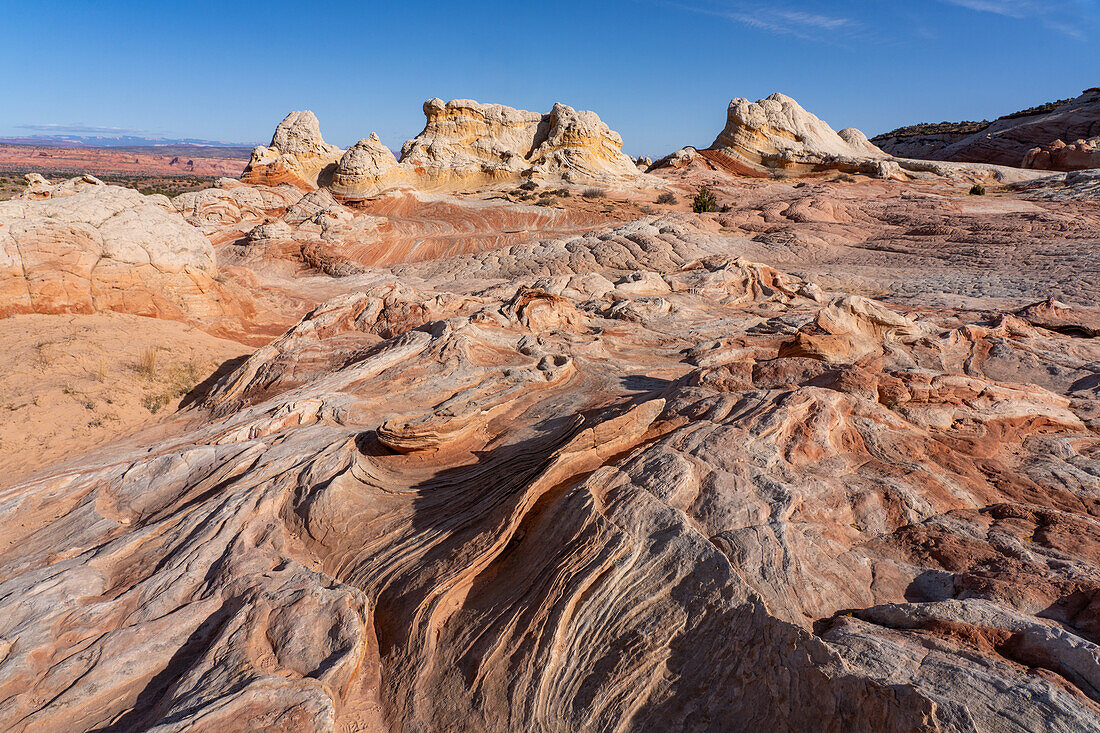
147, 366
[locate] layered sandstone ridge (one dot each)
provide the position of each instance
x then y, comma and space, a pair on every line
466, 144
297, 154
81, 246
1009, 140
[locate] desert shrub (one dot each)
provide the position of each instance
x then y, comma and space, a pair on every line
529, 185
977, 190
704, 201
668, 197
594, 193
846, 178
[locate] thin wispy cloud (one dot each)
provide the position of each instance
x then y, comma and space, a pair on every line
79, 128
785, 21
1011, 9
1068, 18
1072, 18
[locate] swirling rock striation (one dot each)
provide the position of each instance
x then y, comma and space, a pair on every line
526, 497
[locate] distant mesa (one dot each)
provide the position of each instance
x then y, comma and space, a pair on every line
463, 144
126, 141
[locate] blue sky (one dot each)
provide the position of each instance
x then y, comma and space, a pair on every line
661, 72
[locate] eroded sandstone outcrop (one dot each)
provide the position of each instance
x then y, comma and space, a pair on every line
777, 137
297, 154
1058, 156
517, 469
778, 134
367, 166
466, 144
82, 246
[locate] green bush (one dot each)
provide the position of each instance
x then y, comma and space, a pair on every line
704, 201
977, 190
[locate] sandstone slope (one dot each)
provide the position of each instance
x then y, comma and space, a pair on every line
1009, 140
824, 459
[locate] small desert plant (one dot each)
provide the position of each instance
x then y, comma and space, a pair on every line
704, 201
648, 210
147, 367
154, 402
529, 185
563, 192
186, 377
668, 197
594, 193
977, 190
845, 178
